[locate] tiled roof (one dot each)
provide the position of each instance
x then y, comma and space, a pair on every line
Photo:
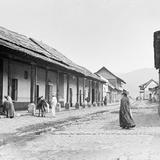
142, 86
111, 74
40, 50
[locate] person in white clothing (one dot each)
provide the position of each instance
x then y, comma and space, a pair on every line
53, 105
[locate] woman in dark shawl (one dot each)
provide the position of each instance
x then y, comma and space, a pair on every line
125, 116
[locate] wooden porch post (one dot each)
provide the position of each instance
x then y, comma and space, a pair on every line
46, 85
90, 91
102, 91
67, 103
9, 78
98, 95
77, 104
1, 81
33, 94
77, 89
68, 88
83, 90
57, 86
95, 95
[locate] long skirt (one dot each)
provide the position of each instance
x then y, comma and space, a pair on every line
125, 118
53, 110
11, 111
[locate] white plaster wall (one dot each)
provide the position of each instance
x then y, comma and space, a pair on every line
17, 72
52, 78
147, 92
73, 85
81, 88
86, 88
5, 77
41, 81
65, 88
61, 87
101, 91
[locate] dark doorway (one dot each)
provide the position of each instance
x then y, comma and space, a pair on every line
70, 97
14, 91
37, 92
1, 80
80, 98
93, 96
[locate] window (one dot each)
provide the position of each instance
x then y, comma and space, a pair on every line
25, 74
14, 93
37, 92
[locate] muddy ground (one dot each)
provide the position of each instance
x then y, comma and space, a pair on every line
91, 137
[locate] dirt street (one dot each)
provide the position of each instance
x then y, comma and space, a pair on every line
92, 137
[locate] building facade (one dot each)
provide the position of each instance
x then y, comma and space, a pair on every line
113, 83
146, 89
30, 69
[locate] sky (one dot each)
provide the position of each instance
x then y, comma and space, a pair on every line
117, 34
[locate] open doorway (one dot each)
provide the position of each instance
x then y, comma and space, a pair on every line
37, 92
80, 98
93, 96
70, 97
1, 81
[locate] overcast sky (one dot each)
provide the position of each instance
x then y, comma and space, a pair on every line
117, 34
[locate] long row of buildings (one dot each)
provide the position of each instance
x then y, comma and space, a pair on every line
30, 68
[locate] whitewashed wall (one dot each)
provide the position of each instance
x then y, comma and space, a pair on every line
61, 88
41, 74
65, 88
5, 77
86, 88
17, 72
52, 78
73, 85
81, 88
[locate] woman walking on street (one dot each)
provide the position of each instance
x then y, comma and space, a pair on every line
53, 105
125, 116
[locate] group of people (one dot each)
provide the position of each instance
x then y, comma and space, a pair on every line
125, 115
43, 107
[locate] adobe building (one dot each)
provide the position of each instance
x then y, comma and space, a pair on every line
114, 85
30, 68
146, 89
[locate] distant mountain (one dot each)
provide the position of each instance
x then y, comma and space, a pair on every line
138, 77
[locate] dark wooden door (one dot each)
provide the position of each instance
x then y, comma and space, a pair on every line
70, 97
93, 96
80, 97
1, 81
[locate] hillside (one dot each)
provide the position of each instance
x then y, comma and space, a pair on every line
138, 77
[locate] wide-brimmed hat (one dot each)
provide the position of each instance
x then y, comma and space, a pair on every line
40, 97
5, 97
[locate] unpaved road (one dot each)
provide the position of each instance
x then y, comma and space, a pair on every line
92, 137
